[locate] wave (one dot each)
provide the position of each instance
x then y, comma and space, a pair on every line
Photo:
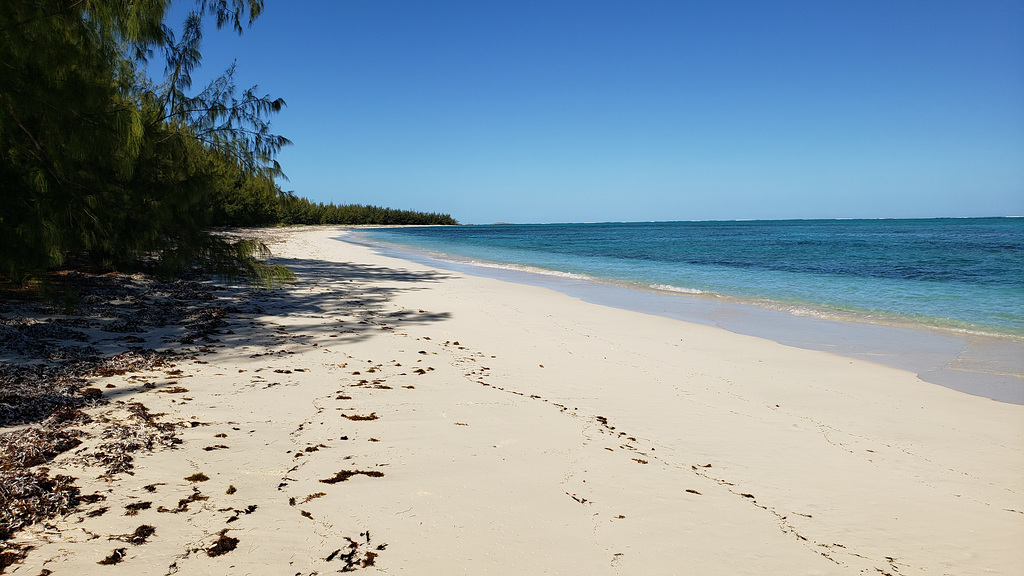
677, 289
514, 267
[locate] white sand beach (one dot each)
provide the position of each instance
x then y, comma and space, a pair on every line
467, 425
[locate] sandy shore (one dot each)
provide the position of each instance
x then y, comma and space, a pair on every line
381, 415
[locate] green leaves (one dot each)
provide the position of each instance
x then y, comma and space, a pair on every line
103, 167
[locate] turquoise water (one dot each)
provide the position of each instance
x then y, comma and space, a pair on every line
961, 274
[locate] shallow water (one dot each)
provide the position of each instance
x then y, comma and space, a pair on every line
963, 274
979, 351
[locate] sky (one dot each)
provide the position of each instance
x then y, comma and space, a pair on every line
581, 111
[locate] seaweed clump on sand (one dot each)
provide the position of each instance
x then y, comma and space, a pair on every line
222, 545
51, 348
344, 475
27, 492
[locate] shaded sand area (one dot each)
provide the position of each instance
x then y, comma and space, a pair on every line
383, 416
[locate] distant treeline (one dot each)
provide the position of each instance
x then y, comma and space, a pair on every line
302, 211
261, 203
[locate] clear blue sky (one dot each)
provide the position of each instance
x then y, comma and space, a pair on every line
559, 111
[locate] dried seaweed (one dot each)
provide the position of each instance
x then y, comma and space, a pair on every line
357, 555
115, 557
196, 496
138, 429
12, 554
28, 496
139, 537
45, 381
346, 474
134, 508
222, 545
360, 417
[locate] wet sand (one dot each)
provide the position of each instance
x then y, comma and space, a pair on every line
384, 415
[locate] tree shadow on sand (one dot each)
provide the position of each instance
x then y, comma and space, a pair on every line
53, 356
357, 297
120, 324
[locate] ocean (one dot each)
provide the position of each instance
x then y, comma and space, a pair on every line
941, 297
957, 274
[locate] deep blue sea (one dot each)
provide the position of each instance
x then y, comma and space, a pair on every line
957, 274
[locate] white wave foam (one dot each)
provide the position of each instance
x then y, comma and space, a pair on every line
513, 267
670, 288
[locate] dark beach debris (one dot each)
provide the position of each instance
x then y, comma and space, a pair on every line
355, 554
313, 496
140, 536
222, 545
360, 418
134, 508
97, 512
248, 510
197, 477
692, 491
231, 490
196, 496
139, 430
346, 474
40, 385
216, 447
173, 390
46, 379
36, 445
91, 498
13, 554
306, 514
579, 499
115, 557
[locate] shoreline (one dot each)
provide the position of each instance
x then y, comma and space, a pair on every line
386, 416
980, 364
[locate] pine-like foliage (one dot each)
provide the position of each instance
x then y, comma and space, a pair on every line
101, 166
257, 201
